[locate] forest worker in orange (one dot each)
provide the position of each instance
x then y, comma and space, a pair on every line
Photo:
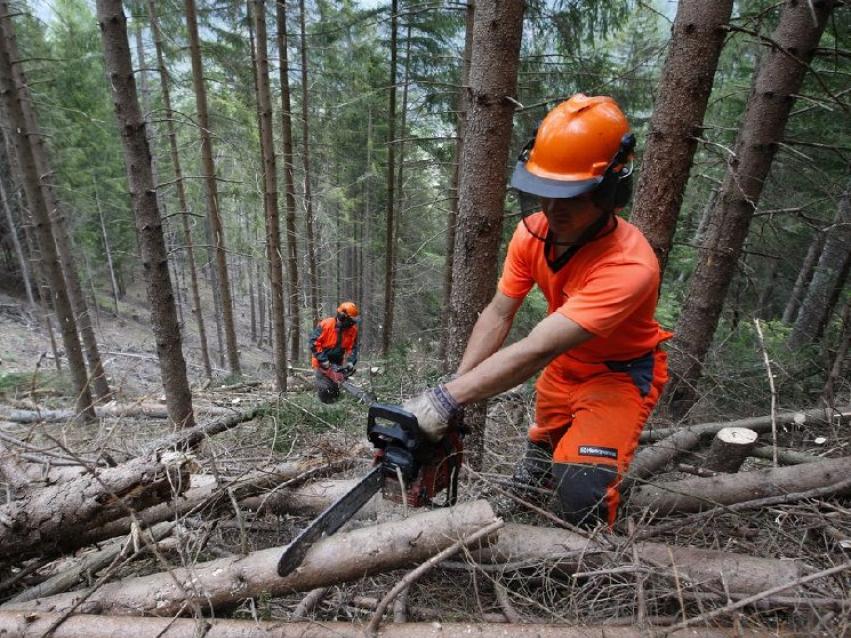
603, 370
334, 350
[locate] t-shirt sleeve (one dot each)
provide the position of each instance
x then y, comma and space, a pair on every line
610, 295
516, 280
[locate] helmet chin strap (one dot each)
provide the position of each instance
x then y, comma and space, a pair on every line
586, 236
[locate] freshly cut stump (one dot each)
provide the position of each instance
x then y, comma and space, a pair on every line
730, 448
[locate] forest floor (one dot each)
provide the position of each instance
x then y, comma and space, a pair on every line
815, 532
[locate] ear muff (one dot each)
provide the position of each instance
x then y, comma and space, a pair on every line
615, 191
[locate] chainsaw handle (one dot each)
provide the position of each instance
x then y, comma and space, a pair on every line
403, 429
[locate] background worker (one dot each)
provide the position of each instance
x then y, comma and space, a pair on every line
598, 345
334, 350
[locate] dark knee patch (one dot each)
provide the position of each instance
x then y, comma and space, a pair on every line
582, 492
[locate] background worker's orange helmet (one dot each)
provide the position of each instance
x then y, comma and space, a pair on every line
349, 309
581, 143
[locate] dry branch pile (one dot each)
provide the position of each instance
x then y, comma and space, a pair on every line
192, 523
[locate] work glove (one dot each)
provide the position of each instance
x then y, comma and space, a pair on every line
435, 410
325, 364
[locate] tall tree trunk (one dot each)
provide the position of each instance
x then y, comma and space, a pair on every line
389, 234
62, 237
212, 191
261, 305
805, 274
493, 83
312, 264
273, 232
777, 81
19, 251
137, 160
698, 35
181, 189
452, 216
367, 270
289, 183
20, 135
106, 248
831, 271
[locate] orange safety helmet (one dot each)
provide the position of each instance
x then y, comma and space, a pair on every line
582, 145
349, 309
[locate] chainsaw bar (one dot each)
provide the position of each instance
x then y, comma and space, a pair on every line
332, 519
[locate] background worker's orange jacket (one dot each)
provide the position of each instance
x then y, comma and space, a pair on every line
330, 342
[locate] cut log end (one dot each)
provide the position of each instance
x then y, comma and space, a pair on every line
730, 448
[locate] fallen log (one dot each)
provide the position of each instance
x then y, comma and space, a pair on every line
35, 625
757, 423
90, 563
730, 448
527, 544
226, 582
651, 459
786, 457
53, 519
693, 495
192, 437
148, 410
204, 491
11, 471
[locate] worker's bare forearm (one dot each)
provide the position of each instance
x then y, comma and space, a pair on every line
516, 363
489, 333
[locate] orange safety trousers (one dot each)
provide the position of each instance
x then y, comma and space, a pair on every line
590, 414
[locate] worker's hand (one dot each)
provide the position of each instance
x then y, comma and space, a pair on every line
435, 410
325, 364
347, 370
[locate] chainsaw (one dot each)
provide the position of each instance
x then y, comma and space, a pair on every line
407, 468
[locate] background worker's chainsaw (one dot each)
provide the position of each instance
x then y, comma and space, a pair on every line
408, 468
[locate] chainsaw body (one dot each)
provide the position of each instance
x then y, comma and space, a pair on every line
415, 469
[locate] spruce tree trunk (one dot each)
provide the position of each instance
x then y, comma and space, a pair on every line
181, 189
20, 135
137, 160
830, 273
64, 247
212, 191
106, 248
687, 77
273, 232
493, 83
452, 216
805, 274
777, 81
389, 228
289, 183
312, 263
19, 251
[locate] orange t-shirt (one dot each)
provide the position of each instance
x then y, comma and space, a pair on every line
609, 287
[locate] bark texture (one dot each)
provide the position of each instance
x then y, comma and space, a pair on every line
289, 182
30, 178
777, 81
831, 272
270, 198
684, 88
334, 559
452, 216
312, 262
693, 495
493, 85
740, 573
212, 190
165, 86
805, 274
34, 625
146, 212
54, 518
390, 226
